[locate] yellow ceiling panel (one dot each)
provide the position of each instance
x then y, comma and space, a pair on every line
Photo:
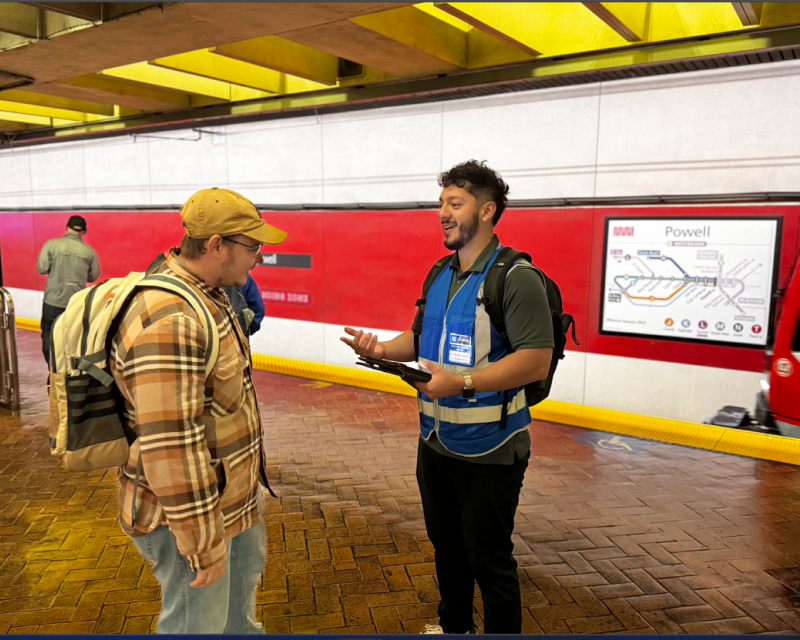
56, 102
550, 28
48, 112
485, 50
286, 56
431, 9
777, 13
670, 20
628, 19
294, 84
145, 73
25, 118
207, 64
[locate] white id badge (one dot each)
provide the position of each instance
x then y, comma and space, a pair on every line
460, 350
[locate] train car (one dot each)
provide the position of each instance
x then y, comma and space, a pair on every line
778, 403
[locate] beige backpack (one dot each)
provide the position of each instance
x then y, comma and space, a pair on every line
86, 426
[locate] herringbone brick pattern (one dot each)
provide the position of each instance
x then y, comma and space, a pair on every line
611, 536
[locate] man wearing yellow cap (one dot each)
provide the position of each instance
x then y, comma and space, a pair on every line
198, 453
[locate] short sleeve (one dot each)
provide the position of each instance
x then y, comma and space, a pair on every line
526, 310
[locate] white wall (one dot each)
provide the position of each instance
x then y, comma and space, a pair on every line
721, 131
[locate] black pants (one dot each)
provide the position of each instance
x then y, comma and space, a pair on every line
469, 515
49, 315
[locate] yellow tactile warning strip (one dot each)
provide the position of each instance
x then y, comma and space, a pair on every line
30, 325
690, 434
361, 377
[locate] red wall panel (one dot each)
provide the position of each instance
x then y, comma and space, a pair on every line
375, 263
19, 251
167, 230
367, 267
559, 241
305, 236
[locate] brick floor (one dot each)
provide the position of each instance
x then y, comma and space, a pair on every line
611, 536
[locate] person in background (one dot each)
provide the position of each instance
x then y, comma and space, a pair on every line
69, 263
247, 303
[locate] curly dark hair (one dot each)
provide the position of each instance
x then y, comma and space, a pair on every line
479, 180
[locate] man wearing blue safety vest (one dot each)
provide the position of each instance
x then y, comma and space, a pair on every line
475, 445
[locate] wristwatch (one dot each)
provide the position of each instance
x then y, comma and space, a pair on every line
468, 391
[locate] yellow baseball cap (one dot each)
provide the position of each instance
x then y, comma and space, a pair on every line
221, 212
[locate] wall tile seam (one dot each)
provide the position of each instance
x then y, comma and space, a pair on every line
692, 165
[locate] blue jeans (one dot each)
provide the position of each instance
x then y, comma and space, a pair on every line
228, 605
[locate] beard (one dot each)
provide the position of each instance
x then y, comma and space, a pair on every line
229, 277
466, 232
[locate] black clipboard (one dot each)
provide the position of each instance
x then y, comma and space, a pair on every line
408, 374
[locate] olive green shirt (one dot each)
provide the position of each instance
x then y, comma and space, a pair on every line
527, 317
69, 264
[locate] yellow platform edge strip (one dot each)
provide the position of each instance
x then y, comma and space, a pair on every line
690, 434
27, 324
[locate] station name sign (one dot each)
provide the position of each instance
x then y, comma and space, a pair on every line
291, 260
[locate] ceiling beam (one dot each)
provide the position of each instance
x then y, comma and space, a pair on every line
749, 13
206, 64
151, 75
90, 11
485, 50
116, 91
628, 19
283, 55
484, 21
7, 125
420, 31
57, 102
48, 112
404, 42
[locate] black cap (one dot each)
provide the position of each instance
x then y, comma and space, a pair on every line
77, 223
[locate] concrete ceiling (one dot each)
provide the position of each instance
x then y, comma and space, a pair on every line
68, 68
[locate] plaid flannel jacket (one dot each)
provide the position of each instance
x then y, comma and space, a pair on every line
200, 439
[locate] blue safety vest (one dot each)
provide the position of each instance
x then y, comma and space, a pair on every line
460, 338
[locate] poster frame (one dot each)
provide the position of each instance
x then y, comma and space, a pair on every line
776, 254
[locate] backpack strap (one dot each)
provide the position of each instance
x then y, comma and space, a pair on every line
494, 287
155, 264
88, 363
436, 269
179, 287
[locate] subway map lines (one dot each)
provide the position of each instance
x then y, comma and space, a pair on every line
703, 280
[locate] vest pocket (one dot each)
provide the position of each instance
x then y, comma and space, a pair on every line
428, 340
459, 348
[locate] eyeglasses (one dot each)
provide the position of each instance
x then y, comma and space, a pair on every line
253, 248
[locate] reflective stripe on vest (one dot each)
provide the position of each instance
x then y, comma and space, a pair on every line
459, 337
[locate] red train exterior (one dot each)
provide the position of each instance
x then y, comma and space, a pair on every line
782, 396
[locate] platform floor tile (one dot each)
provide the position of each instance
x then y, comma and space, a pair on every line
613, 533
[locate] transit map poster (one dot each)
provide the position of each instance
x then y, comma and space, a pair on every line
701, 279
